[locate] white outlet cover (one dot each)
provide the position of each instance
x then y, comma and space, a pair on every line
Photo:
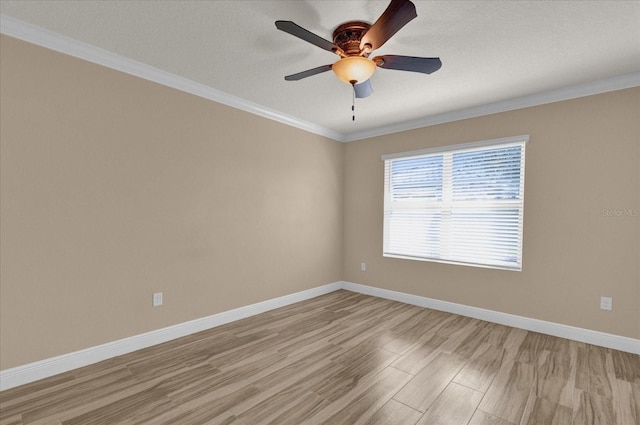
157, 299
606, 303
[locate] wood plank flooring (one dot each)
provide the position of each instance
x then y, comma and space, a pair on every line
344, 358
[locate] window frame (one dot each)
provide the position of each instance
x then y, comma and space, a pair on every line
446, 206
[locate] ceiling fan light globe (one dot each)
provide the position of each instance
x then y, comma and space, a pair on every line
354, 69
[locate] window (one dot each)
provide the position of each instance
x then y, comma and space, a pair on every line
457, 204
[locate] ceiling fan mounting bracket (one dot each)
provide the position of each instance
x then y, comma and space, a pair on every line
348, 36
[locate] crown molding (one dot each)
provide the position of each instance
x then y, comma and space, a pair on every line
54, 41
619, 82
69, 46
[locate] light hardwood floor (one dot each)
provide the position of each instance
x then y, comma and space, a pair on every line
344, 358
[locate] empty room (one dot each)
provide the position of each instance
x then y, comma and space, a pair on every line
384, 212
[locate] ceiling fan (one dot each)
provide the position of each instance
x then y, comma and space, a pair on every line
354, 41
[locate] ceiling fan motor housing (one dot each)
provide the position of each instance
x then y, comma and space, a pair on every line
348, 36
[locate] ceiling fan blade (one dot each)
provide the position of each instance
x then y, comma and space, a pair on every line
397, 15
307, 73
306, 35
363, 89
408, 63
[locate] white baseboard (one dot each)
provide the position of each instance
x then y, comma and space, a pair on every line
24, 374
602, 339
20, 375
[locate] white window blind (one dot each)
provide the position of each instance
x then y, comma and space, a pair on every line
460, 204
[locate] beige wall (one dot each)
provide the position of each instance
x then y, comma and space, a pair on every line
113, 188
583, 158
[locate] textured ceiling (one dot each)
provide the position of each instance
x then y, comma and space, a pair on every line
492, 51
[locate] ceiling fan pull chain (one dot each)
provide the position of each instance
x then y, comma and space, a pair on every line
353, 103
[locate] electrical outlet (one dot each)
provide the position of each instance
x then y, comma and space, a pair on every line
606, 303
363, 267
157, 299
